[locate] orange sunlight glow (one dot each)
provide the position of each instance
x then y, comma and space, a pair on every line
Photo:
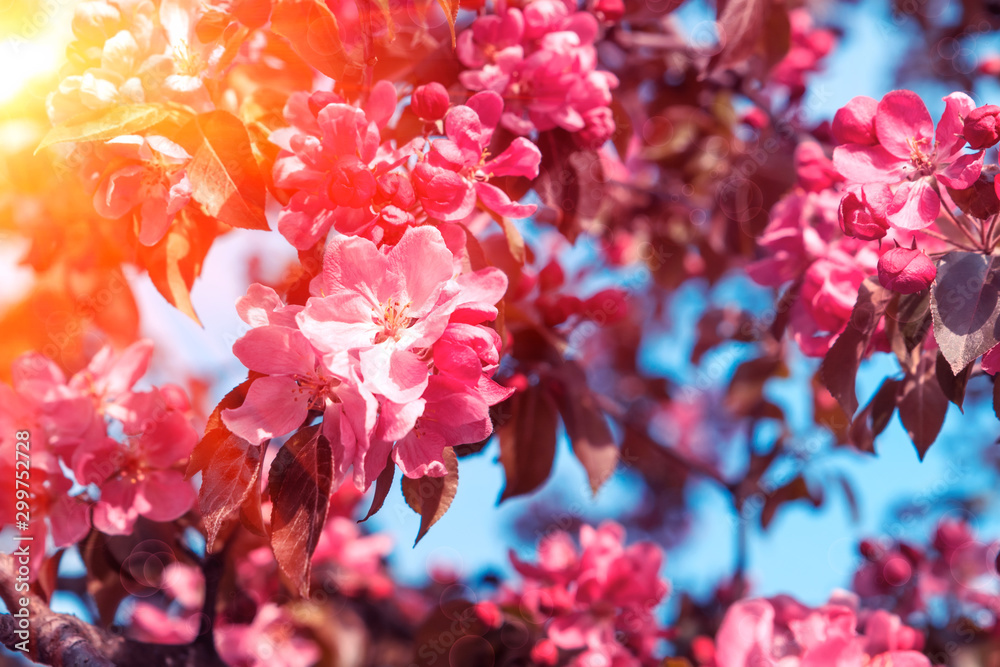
32, 44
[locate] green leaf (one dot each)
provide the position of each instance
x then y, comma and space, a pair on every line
107, 124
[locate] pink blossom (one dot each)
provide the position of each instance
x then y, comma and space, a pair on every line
184, 586
863, 212
599, 598
909, 154
809, 45
354, 560
780, 631
390, 349
154, 181
542, 59
339, 170
457, 171
269, 641
146, 479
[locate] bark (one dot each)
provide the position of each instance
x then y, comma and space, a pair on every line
62, 640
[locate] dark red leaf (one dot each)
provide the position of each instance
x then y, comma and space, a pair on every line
741, 24
797, 489
980, 200
299, 485
875, 416
953, 386
175, 261
528, 441
922, 405
430, 497
965, 302
382, 486
839, 369
587, 427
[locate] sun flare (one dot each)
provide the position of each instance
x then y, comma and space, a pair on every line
31, 45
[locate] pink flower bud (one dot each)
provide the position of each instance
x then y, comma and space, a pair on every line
609, 10
990, 65
599, 126
321, 99
489, 614
430, 102
863, 213
909, 639
981, 129
545, 652
897, 571
905, 270
854, 123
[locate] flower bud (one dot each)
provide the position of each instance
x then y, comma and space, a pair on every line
897, 571
322, 99
863, 212
430, 102
609, 10
854, 123
545, 652
96, 21
906, 270
981, 129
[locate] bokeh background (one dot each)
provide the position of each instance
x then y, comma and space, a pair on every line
805, 551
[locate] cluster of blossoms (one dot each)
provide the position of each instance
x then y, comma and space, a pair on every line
342, 175
596, 602
809, 46
390, 348
909, 579
136, 51
782, 631
804, 242
894, 162
131, 53
892, 178
346, 563
542, 59
72, 423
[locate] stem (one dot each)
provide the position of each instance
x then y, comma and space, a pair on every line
991, 241
977, 243
944, 238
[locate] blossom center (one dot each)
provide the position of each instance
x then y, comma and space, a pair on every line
920, 158
393, 320
186, 61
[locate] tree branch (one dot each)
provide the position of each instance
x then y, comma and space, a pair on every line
62, 640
